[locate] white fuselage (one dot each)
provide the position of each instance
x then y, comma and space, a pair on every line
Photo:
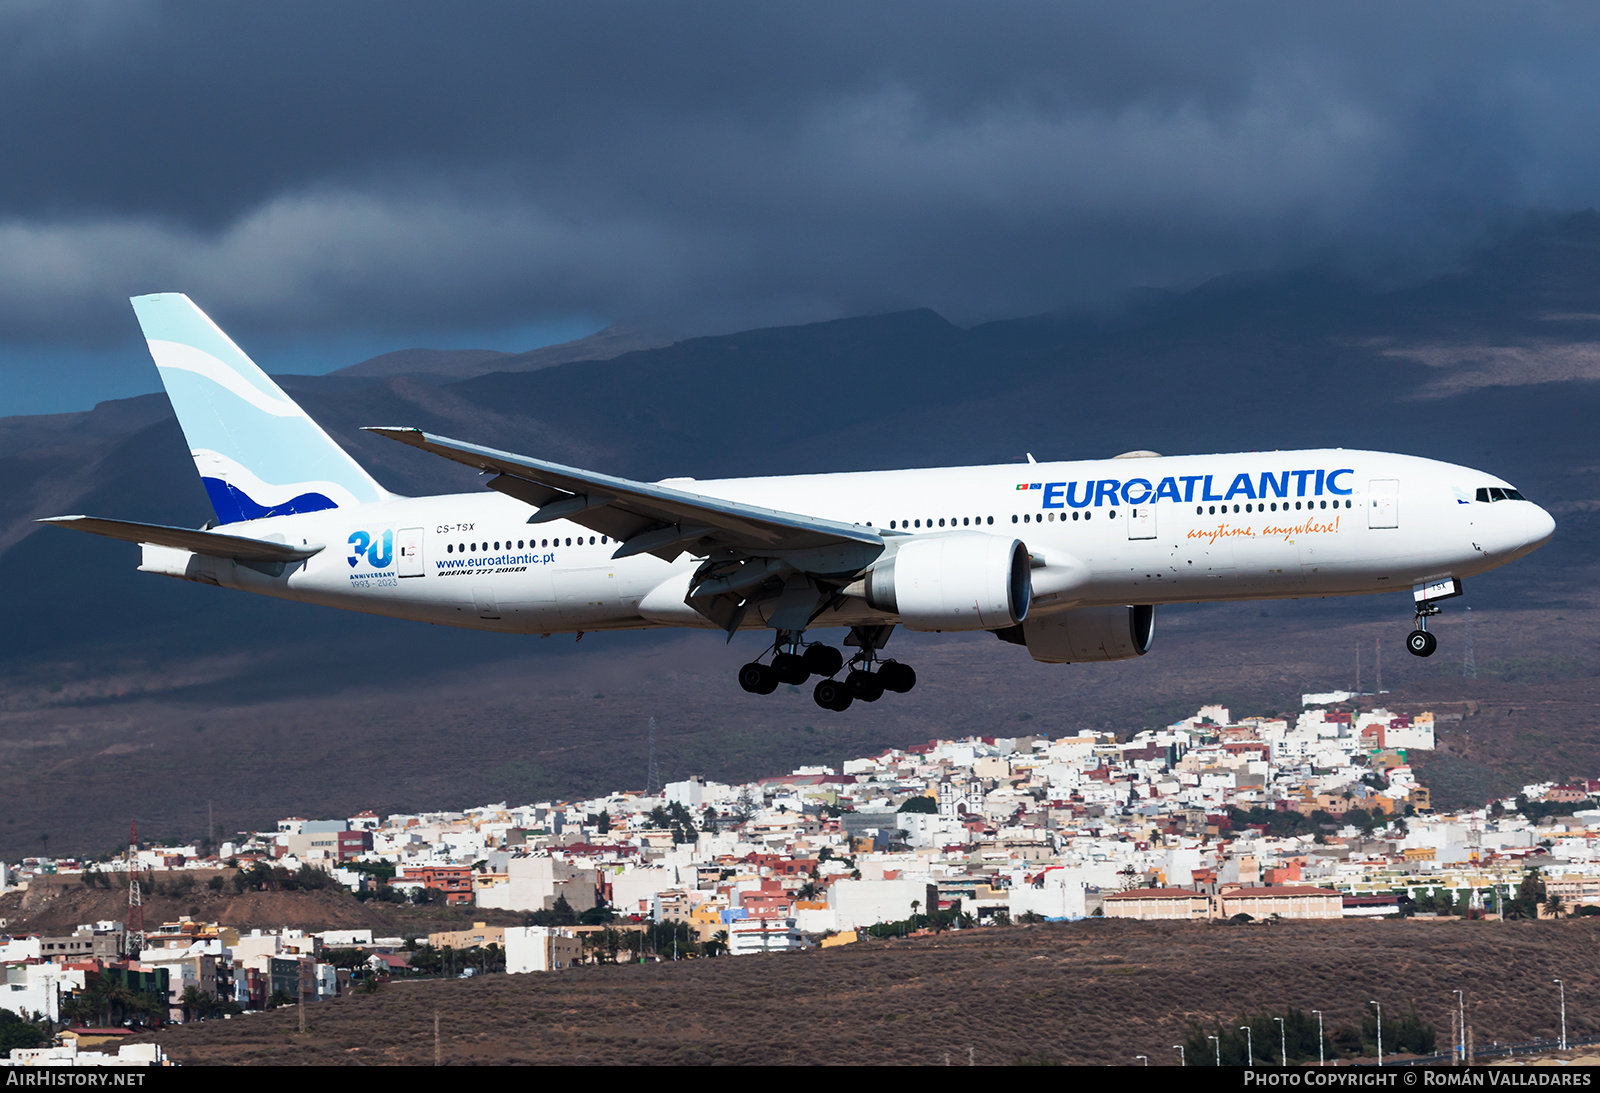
1126, 531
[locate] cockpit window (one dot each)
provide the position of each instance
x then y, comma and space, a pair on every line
1499, 493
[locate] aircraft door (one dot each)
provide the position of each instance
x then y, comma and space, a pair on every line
1142, 522
409, 544
483, 599
1383, 503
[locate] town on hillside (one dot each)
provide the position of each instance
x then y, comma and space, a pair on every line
1215, 816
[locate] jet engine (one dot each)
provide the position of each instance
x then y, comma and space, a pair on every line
958, 581
1087, 633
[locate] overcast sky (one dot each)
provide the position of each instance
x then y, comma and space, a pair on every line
333, 181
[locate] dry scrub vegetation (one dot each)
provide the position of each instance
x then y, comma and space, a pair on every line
1085, 992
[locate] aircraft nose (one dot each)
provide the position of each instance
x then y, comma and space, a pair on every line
1540, 526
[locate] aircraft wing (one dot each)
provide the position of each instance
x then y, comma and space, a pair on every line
649, 518
214, 544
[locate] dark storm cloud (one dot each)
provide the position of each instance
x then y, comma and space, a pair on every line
315, 167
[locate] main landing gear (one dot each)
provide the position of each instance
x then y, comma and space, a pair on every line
794, 662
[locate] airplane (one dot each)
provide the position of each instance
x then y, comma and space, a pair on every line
1069, 559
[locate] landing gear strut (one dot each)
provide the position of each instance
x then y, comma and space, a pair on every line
866, 677
793, 662
1420, 643
789, 666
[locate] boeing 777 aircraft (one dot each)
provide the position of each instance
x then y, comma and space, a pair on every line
1068, 560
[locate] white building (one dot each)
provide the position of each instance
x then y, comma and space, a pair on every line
762, 934
858, 903
534, 884
540, 949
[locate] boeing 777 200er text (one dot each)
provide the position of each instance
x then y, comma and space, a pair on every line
1068, 560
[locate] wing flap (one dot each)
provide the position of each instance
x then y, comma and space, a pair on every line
212, 543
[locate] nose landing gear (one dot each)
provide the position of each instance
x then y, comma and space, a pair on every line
1420, 643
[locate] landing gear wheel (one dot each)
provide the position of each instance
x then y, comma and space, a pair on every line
833, 695
758, 679
791, 669
896, 677
823, 660
1420, 643
864, 685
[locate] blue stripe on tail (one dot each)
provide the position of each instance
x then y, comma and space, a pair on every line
233, 505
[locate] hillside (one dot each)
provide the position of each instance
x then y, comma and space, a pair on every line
58, 905
1094, 992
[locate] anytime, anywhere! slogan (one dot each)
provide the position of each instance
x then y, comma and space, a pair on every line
1226, 531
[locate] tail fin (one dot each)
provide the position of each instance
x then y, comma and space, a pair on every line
257, 452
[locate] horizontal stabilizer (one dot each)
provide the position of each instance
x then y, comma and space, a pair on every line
211, 543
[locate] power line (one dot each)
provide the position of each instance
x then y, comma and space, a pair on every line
134, 925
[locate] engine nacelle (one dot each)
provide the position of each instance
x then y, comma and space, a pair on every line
964, 580
1090, 633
